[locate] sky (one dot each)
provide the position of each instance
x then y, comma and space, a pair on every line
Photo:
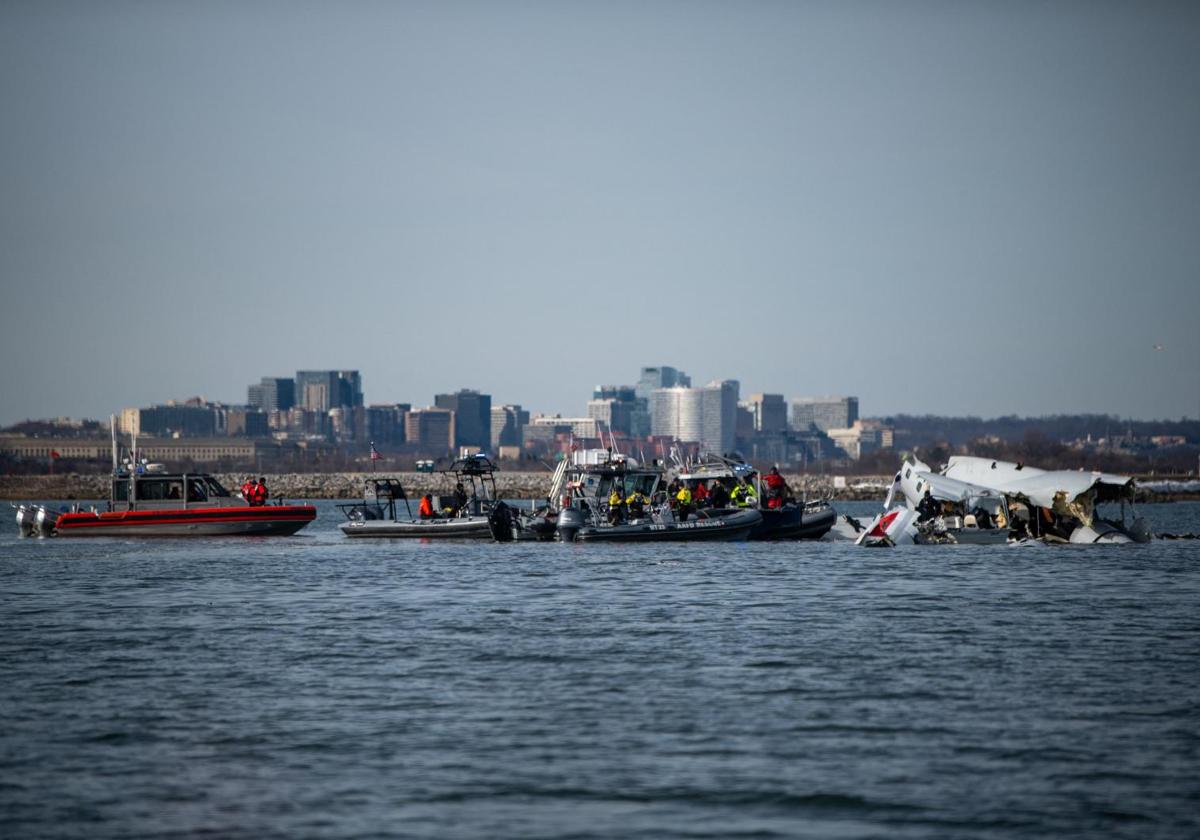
939, 207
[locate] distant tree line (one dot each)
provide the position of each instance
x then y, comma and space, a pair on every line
927, 430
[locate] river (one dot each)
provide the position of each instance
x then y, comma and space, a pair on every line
315, 686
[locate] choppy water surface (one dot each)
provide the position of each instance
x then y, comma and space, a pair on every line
319, 687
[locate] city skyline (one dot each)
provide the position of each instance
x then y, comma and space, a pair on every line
951, 209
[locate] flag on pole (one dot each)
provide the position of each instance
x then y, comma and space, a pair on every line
375, 456
54, 453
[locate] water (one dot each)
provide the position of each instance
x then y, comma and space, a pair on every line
320, 687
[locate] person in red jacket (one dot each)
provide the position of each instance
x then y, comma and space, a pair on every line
776, 488
258, 495
248, 489
700, 495
426, 509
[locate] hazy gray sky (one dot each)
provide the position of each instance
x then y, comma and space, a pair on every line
944, 207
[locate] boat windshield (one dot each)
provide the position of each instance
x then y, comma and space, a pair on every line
640, 482
214, 487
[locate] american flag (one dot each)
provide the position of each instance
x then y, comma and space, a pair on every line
375, 456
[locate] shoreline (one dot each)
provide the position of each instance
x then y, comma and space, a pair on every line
346, 485
70, 487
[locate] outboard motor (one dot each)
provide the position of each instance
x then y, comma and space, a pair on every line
25, 521
500, 523
570, 520
45, 520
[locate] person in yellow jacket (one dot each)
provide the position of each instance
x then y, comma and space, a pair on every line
614, 506
636, 504
683, 502
744, 496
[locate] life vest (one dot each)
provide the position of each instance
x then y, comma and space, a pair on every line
426, 508
701, 493
743, 495
614, 499
247, 490
258, 495
684, 496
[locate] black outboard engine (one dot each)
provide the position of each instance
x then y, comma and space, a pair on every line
500, 523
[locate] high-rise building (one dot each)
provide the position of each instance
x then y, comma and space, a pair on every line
272, 394
620, 409
508, 426
707, 415
769, 412
823, 413
431, 430
384, 424
321, 390
472, 416
654, 378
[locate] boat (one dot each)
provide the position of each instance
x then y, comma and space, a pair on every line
148, 501
467, 518
579, 500
792, 519
726, 525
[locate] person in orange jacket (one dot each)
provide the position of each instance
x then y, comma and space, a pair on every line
426, 509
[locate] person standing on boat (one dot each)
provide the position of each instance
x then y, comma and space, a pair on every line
459, 498
683, 502
259, 494
718, 497
425, 511
636, 504
776, 488
614, 506
248, 489
700, 495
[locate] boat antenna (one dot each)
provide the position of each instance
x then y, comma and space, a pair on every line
112, 427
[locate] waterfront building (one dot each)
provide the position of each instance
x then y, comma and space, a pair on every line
430, 429
824, 413
273, 393
472, 416
508, 426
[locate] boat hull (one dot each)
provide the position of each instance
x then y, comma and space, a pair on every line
794, 523
468, 528
728, 528
267, 521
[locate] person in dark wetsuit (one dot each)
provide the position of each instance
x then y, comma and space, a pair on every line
927, 508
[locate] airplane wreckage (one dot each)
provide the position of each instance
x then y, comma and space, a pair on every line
979, 501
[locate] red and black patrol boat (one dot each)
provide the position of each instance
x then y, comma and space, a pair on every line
148, 501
